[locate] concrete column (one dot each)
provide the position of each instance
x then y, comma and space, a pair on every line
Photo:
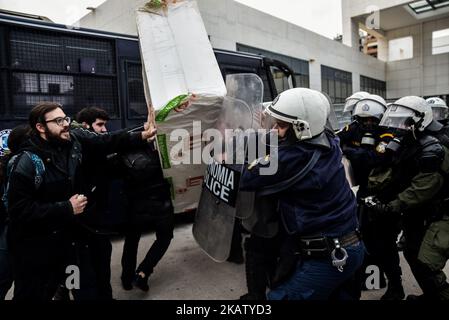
315, 75
355, 82
351, 35
382, 49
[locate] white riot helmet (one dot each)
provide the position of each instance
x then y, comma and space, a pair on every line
439, 108
307, 110
372, 106
409, 113
352, 101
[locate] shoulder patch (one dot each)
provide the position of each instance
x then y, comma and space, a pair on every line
381, 147
4, 134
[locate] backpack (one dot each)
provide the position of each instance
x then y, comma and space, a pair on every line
39, 170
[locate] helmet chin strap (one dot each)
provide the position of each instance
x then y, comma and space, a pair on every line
413, 132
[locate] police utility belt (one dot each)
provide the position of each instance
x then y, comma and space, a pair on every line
323, 247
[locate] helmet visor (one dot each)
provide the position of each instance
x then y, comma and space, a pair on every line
440, 113
398, 117
350, 105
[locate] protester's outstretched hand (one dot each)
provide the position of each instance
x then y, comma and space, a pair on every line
150, 130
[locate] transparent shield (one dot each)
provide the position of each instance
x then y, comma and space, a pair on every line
247, 87
225, 154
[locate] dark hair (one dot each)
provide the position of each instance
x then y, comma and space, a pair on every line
17, 136
91, 114
37, 114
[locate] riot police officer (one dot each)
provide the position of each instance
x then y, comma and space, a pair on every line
439, 109
434, 251
351, 102
363, 142
314, 200
412, 183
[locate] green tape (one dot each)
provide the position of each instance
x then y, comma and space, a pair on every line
163, 149
154, 4
172, 104
172, 187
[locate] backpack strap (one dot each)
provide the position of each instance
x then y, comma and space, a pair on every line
39, 168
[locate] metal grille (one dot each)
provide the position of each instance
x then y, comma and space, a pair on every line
2, 47
137, 106
98, 92
36, 50
100, 50
73, 92
3, 90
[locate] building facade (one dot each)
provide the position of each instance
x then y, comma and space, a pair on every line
408, 55
412, 39
319, 63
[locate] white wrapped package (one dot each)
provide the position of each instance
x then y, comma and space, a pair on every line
178, 60
180, 147
177, 55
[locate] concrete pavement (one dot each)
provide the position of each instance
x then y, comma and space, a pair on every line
187, 273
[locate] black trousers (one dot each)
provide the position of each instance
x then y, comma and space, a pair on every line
163, 227
380, 237
92, 254
6, 275
38, 266
260, 264
414, 231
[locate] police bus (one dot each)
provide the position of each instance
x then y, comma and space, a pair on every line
77, 67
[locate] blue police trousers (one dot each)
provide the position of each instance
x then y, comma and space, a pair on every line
318, 279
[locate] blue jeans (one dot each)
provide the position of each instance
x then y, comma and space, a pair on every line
317, 279
6, 277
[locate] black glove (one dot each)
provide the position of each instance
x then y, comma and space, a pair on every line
378, 209
381, 209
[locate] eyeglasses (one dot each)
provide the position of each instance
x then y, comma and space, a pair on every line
60, 120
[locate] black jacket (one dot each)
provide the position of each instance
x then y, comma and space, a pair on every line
147, 191
47, 212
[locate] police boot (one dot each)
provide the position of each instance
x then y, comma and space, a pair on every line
256, 279
394, 292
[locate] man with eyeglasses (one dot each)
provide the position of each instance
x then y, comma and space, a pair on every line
48, 194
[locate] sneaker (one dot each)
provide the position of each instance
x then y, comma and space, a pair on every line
141, 283
237, 259
62, 294
127, 286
